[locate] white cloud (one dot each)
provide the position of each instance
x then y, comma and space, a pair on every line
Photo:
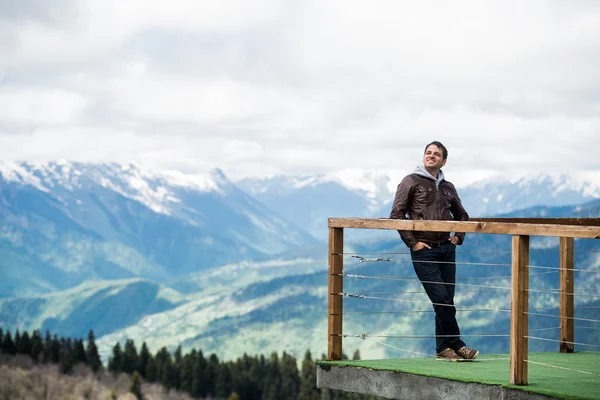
242, 150
271, 86
31, 106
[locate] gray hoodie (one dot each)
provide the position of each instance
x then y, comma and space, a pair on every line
423, 172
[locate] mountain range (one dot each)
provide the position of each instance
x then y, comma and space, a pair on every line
232, 267
66, 223
308, 201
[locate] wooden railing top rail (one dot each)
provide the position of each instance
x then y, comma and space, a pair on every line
561, 227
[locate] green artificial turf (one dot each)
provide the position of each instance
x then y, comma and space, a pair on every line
495, 369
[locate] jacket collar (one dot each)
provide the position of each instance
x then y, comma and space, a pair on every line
423, 172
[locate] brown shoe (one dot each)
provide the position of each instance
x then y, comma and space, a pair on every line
448, 355
467, 353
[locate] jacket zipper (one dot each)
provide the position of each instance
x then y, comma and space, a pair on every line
437, 190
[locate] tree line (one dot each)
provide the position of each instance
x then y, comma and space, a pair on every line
202, 376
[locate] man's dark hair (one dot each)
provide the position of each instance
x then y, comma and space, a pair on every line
439, 145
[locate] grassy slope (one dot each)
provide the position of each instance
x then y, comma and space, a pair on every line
103, 306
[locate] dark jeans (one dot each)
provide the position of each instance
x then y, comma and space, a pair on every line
441, 293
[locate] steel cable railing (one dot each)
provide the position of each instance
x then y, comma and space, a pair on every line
487, 289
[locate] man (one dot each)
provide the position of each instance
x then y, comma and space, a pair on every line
426, 195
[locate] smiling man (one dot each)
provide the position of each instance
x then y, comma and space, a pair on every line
426, 194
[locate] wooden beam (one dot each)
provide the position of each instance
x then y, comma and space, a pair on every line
546, 221
335, 285
518, 317
506, 228
567, 302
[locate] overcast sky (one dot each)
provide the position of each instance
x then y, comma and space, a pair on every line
265, 87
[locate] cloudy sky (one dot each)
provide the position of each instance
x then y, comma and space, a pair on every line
265, 87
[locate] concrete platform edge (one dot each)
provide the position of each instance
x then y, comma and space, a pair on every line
401, 385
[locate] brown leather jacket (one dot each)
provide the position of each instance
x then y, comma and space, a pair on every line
418, 197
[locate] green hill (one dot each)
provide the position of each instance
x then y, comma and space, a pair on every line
102, 306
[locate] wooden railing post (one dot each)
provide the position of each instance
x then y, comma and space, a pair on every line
567, 302
520, 304
335, 285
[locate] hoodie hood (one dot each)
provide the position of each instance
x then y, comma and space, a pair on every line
423, 172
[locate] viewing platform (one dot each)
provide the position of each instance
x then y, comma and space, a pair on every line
572, 372
485, 378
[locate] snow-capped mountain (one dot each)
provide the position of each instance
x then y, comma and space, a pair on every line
75, 221
156, 189
353, 193
499, 195
309, 200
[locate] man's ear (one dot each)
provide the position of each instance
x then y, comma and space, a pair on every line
444, 162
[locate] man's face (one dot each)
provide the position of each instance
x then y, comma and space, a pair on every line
433, 157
